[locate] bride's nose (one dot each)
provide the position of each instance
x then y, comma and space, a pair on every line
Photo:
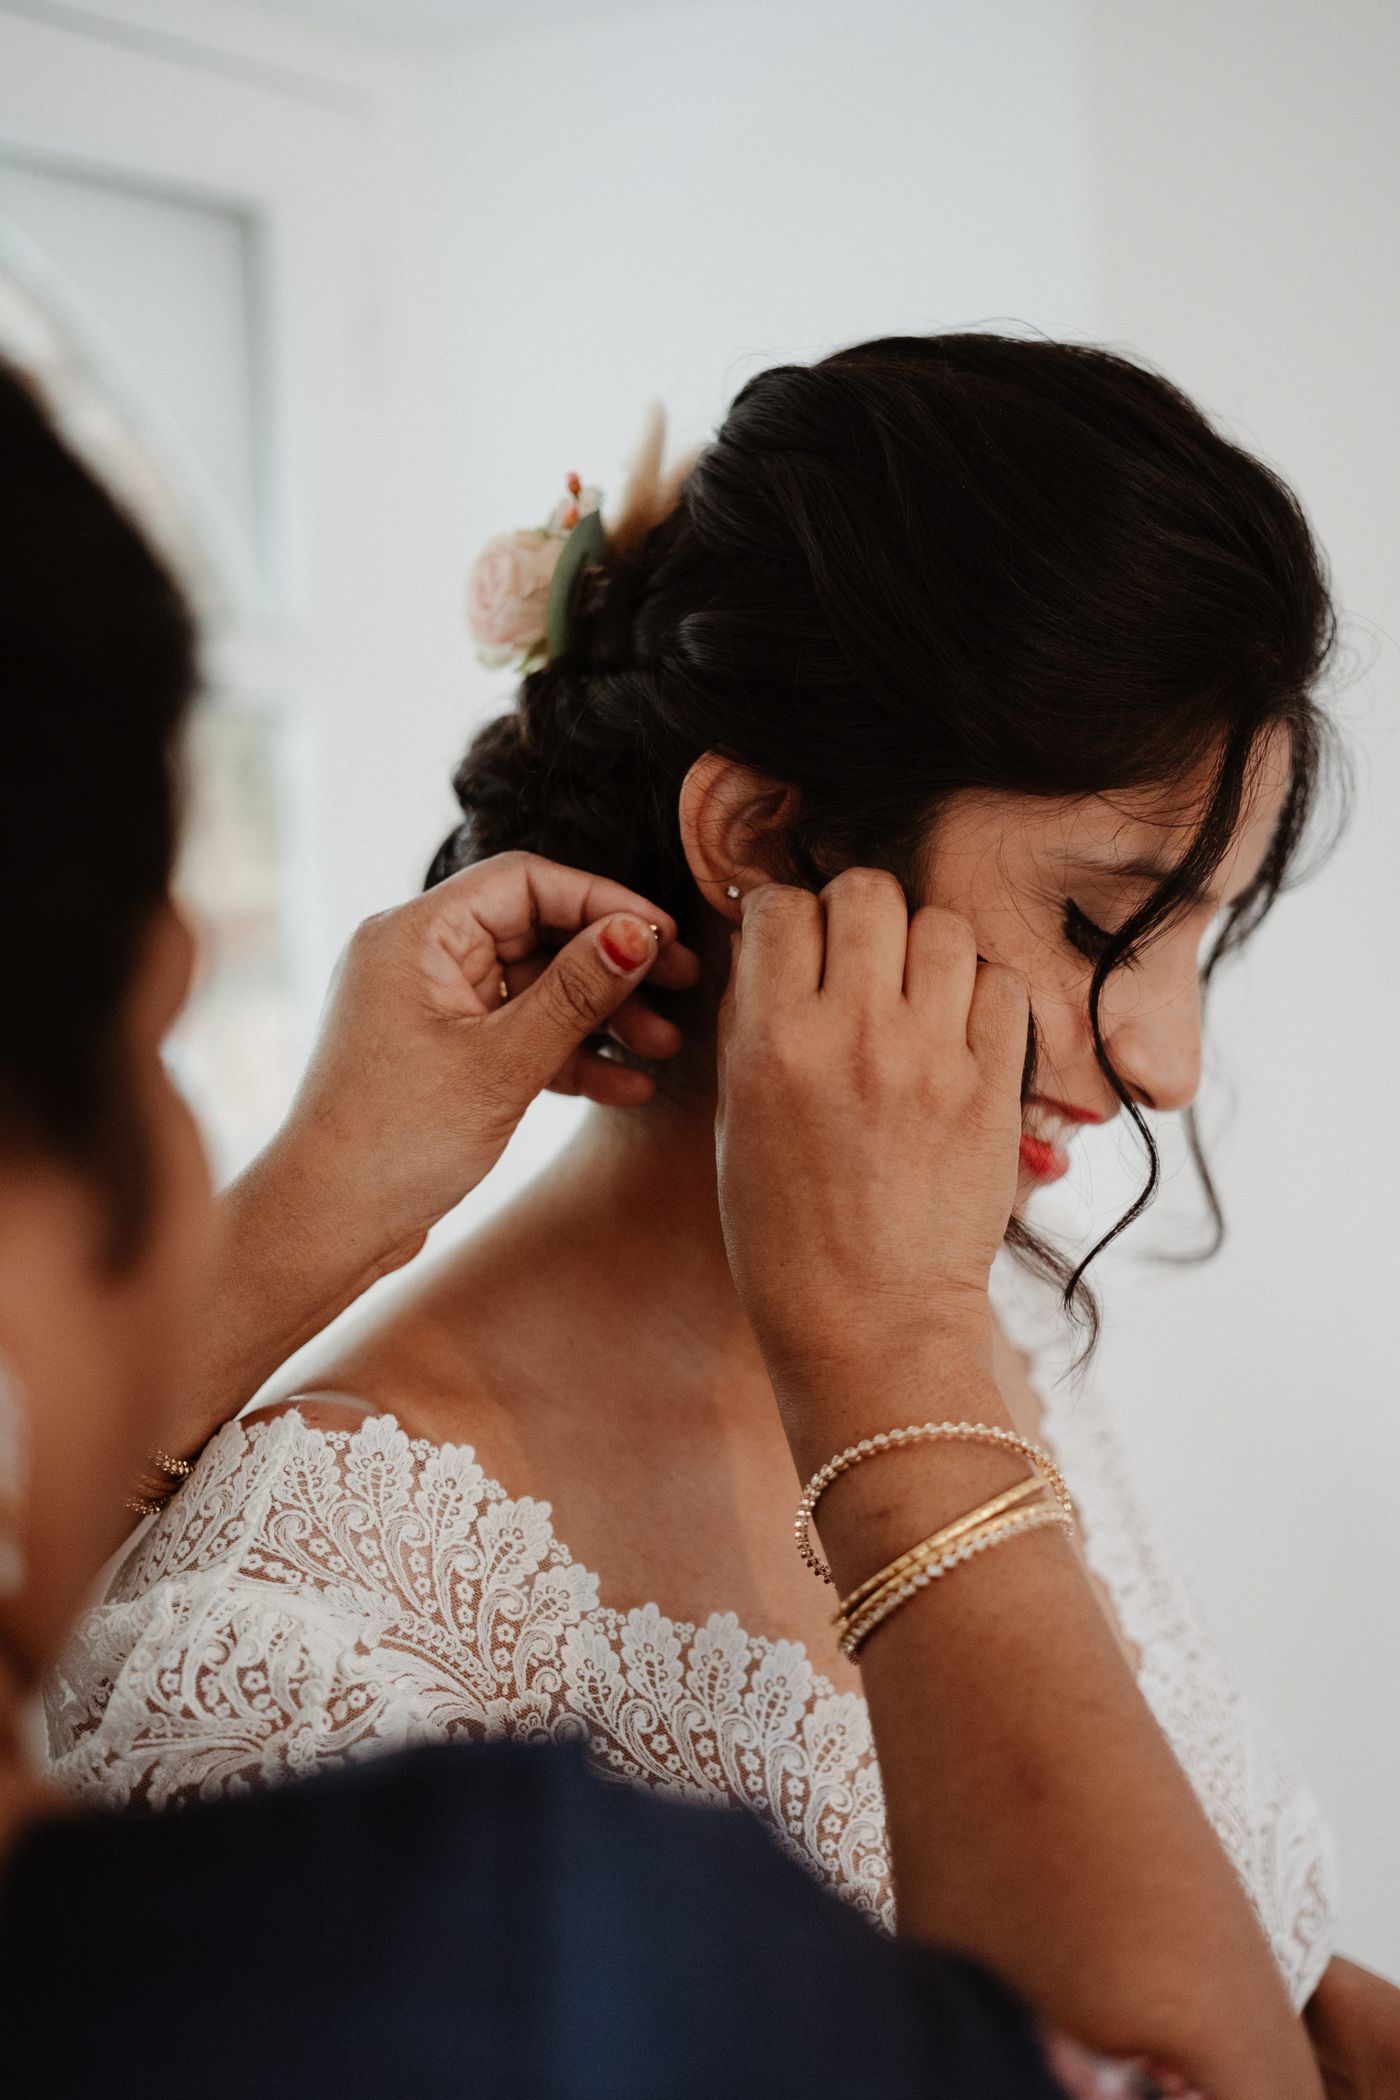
1154, 1040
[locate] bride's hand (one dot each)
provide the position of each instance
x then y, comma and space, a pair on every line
869, 1115
421, 1072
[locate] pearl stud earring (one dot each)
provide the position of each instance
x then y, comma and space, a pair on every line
731, 889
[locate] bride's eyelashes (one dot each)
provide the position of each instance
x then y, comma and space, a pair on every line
1091, 940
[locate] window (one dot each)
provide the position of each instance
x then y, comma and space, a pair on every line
137, 311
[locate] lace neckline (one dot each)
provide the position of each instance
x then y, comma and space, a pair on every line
313, 1594
383, 1425
1020, 1310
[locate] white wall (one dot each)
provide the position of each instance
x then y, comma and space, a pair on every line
659, 205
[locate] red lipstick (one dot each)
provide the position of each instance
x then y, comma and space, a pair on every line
1042, 1160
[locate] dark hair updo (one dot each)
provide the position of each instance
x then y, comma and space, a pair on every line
923, 565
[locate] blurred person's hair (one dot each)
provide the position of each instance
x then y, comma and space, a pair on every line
922, 566
97, 670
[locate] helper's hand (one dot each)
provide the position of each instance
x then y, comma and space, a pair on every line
422, 1073
869, 1115
419, 1077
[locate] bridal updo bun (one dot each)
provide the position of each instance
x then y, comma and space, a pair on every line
925, 564
929, 564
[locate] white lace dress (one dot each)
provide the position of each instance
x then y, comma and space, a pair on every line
315, 1596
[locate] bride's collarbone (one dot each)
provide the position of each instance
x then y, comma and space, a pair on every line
673, 1506
674, 1489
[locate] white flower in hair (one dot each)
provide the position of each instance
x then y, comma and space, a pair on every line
521, 593
508, 592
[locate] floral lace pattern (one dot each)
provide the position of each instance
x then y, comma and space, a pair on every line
313, 1596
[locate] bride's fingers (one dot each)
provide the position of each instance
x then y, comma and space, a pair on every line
940, 968
867, 929
778, 961
997, 1025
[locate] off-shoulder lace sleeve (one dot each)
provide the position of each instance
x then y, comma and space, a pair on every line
311, 1596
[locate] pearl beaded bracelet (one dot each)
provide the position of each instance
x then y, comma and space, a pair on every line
918, 1432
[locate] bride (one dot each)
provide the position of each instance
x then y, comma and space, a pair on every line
1006, 622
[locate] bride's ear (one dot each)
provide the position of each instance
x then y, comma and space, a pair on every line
731, 822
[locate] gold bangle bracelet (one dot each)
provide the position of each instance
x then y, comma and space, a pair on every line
892, 1440
887, 1602
1010, 1498
853, 1638
947, 1552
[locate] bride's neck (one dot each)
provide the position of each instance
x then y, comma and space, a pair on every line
628, 1220
650, 1173
610, 1266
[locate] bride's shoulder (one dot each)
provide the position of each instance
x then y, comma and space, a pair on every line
423, 1358
435, 1380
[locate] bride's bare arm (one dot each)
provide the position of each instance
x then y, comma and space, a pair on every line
868, 1127
419, 1077
1354, 2019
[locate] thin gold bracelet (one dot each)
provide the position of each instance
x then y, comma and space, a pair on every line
887, 1602
892, 1440
1010, 1498
941, 1548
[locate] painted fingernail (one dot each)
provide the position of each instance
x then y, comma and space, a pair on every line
626, 944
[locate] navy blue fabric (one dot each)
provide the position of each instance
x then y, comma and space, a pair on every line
475, 1921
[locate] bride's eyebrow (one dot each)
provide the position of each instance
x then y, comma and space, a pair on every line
1144, 867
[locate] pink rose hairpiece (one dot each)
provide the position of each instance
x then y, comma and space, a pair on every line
522, 588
